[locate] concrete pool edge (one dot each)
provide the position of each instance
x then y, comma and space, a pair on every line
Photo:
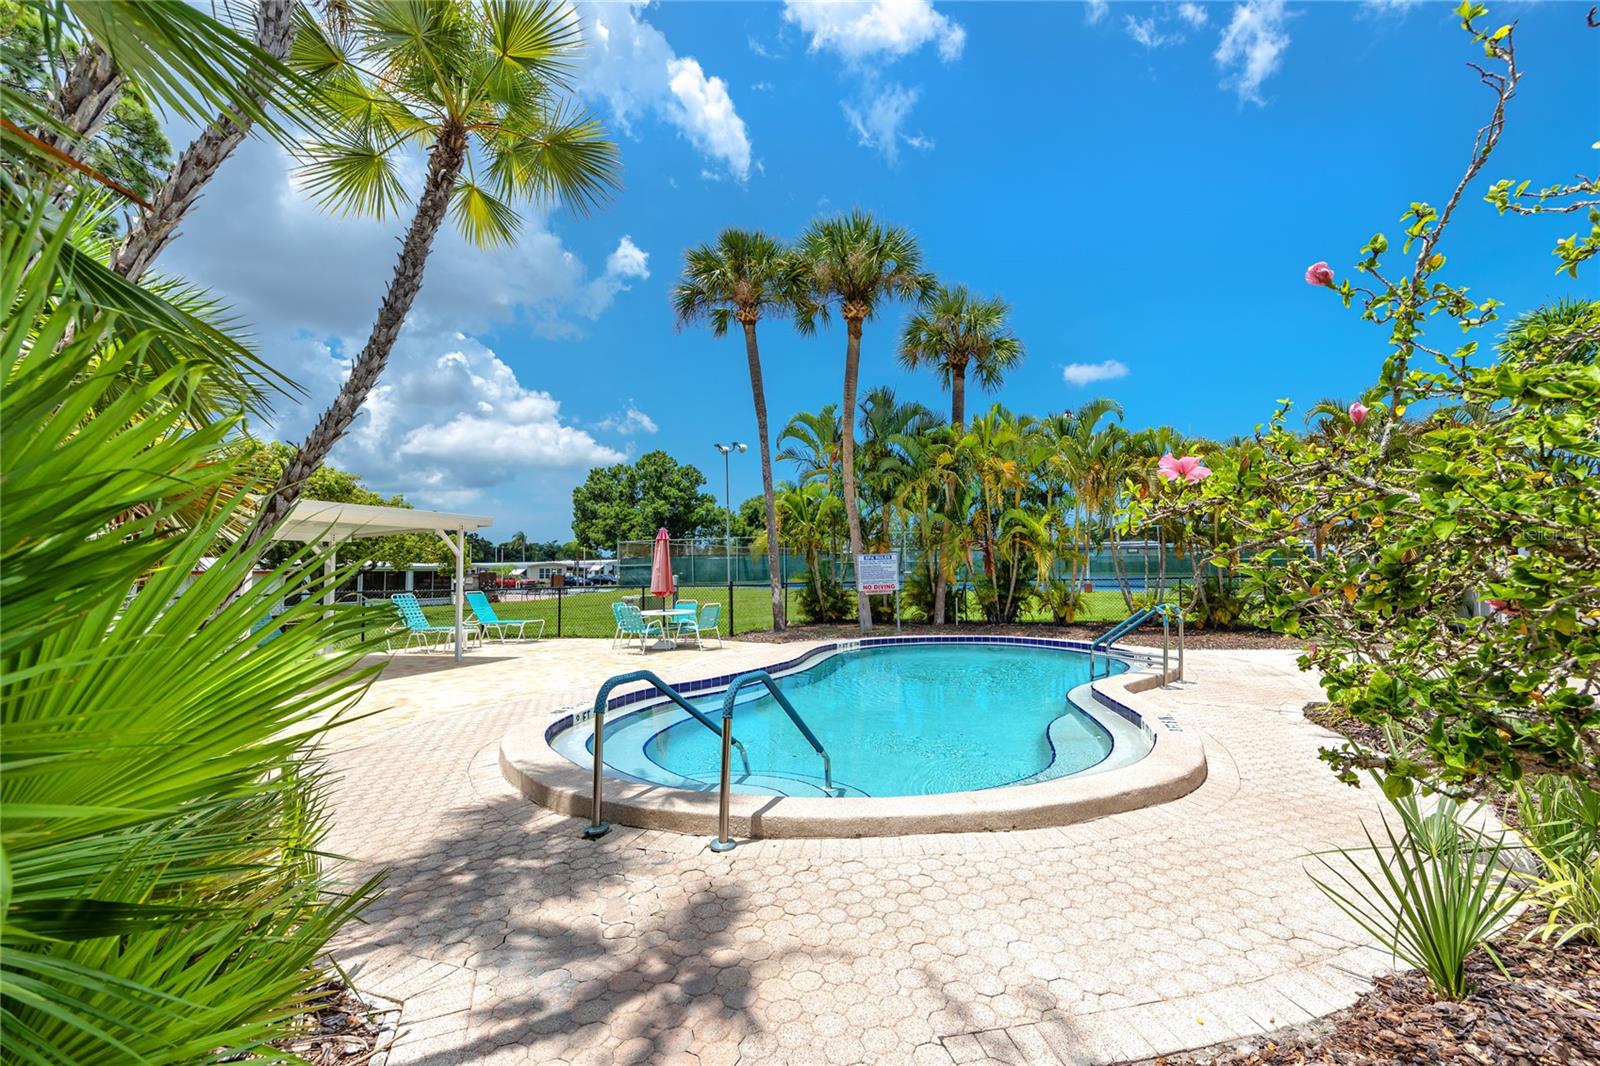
1174, 767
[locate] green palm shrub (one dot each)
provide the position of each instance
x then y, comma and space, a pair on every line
159, 793
1560, 824
1431, 895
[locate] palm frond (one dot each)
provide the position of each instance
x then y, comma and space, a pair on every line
188, 63
355, 174
156, 804
484, 219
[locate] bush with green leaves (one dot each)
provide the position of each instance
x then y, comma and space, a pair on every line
160, 814
1559, 821
1461, 477
1432, 894
821, 597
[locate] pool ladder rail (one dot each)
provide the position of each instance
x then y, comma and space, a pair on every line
598, 828
1166, 612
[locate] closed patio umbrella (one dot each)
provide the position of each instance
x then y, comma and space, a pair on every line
661, 565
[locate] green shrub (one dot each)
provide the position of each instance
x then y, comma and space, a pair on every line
159, 809
1223, 604
835, 605
1062, 599
1431, 895
1560, 824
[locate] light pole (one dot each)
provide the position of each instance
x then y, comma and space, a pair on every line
727, 451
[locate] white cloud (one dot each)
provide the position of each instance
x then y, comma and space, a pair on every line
634, 69
628, 263
708, 115
868, 36
1192, 13
879, 28
1096, 10
1252, 47
1080, 374
761, 87
628, 422
308, 289
878, 118
1146, 32
462, 423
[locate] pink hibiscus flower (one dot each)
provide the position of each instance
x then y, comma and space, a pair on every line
1319, 274
1190, 468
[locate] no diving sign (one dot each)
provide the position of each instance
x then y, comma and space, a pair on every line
878, 573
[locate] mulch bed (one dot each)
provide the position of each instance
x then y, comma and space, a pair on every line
341, 1030
1232, 639
1548, 1012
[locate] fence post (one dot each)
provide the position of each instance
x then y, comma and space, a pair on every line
561, 594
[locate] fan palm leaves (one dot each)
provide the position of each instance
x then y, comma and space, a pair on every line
857, 264
480, 86
744, 277
955, 332
158, 798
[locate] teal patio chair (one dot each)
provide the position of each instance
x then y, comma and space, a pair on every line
417, 628
683, 612
708, 620
631, 624
483, 612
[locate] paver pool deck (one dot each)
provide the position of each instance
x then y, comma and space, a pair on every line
509, 939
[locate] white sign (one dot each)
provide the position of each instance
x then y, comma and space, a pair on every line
878, 573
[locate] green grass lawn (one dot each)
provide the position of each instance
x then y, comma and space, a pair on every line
587, 612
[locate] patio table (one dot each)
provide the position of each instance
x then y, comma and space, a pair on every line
667, 642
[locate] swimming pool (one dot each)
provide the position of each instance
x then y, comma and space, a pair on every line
910, 719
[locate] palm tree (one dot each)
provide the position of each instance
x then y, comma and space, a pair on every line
744, 276
474, 82
888, 427
815, 446
157, 224
857, 263
955, 331
809, 520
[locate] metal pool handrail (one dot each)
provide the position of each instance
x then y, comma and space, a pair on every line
1166, 612
598, 828
724, 842
1114, 634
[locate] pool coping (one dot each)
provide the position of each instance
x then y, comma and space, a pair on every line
1174, 767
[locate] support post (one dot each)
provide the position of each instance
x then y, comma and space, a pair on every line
329, 567
1166, 634
597, 827
723, 841
458, 548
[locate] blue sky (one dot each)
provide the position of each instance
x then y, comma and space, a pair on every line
1145, 183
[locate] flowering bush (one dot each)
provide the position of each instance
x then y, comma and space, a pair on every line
1459, 479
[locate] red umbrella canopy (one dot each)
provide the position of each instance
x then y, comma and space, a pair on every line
661, 565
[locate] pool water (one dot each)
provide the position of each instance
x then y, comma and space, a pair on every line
900, 720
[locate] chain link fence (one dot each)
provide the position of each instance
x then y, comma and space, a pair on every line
735, 576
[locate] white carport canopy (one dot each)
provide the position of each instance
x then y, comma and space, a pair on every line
324, 522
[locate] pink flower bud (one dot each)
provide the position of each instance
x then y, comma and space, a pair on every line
1319, 274
1358, 412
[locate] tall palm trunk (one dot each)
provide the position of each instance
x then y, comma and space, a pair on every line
853, 314
769, 501
444, 165
84, 102
156, 227
958, 395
